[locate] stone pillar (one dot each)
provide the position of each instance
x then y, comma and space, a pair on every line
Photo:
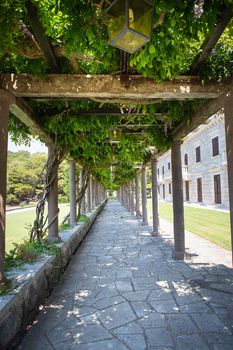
53, 203
228, 110
72, 192
144, 198
91, 193
155, 212
82, 208
178, 204
137, 196
132, 195
4, 115
89, 196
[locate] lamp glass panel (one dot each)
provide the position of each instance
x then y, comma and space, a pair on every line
117, 19
129, 42
140, 16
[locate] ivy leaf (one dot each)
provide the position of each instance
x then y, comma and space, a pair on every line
152, 49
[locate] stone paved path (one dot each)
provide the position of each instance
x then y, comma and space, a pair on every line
123, 291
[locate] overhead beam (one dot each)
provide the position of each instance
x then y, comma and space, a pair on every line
107, 87
23, 112
203, 112
41, 37
210, 42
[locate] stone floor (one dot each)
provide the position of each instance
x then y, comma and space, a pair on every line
122, 290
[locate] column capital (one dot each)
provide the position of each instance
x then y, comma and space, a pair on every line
6, 95
177, 142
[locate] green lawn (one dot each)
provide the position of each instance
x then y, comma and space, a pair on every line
210, 224
16, 223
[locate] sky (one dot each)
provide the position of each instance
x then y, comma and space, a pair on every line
36, 146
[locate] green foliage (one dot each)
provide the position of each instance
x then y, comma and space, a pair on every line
28, 252
83, 218
23, 176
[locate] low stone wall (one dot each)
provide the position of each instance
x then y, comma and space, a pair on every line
35, 282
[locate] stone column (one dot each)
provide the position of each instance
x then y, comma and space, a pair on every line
132, 195
72, 192
137, 196
155, 212
228, 110
89, 196
83, 208
4, 115
53, 202
91, 193
178, 204
144, 198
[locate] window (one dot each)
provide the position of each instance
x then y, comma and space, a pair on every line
199, 189
215, 146
217, 189
187, 190
198, 154
170, 188
163, 191
163, 170
158, 172
185, 159
169, 165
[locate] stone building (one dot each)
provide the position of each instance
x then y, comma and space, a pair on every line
204, 167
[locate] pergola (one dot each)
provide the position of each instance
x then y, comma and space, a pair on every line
33, 99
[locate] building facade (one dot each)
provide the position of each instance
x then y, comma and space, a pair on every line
204, 166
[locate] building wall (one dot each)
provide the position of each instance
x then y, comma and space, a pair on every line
208, 166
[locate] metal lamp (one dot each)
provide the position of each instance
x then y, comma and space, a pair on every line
130, 24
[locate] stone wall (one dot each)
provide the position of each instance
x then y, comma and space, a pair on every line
35, 282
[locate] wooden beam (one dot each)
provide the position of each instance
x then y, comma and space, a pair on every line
107, 87
41, 37
22, 111
210, 42
203, 112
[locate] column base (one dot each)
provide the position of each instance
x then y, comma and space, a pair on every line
178, 255
53, 239
144, 223
155, 233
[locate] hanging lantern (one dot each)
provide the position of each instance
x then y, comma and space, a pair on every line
130, 24
115, 135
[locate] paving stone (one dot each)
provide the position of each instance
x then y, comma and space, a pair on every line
90, 334
158, 337
112, 344
161, 294
117, 315
181, 324
153, 320
165, 306
141, 308
194, 307
133, 341
124, 285
130, 328
209, 323
136, 296
107, 302
219, 339
191, 342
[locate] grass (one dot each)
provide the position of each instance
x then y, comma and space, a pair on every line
17, 223
210, 224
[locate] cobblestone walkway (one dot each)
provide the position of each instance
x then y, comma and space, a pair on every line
123, 291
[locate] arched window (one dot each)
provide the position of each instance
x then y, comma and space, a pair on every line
185, 159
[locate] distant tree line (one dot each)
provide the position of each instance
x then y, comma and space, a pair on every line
24, 181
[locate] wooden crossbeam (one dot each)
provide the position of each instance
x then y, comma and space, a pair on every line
107, 87
203, 112
210, 42
41, 37
24, 113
